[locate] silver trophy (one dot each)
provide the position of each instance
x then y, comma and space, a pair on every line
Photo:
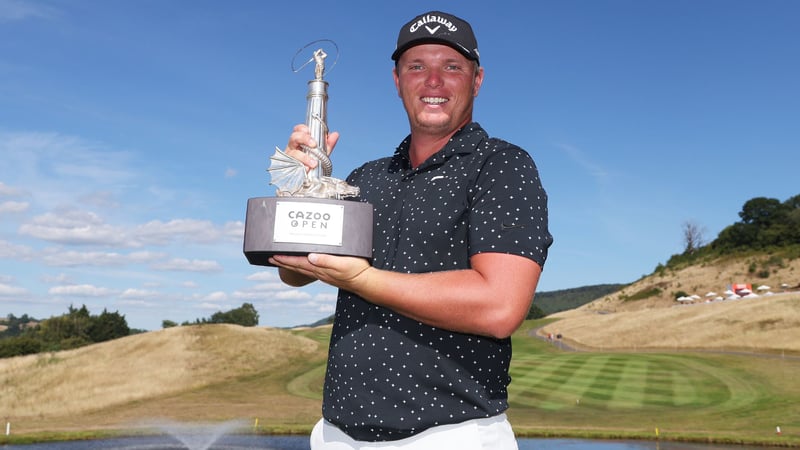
289, 175
308, 213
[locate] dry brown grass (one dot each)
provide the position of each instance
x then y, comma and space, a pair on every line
220, 372
764, 324
152, 364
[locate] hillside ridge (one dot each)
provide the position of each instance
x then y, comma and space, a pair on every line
646, 315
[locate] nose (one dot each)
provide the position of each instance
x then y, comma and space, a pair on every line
434, 79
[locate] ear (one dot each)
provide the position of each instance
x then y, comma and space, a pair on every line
396, 78
478, 82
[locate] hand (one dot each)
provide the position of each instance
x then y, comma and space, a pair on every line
345, 272
300, 137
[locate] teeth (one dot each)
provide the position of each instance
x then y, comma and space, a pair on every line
434, 100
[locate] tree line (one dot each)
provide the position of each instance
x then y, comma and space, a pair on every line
74, 329
78, 327
765, 224
245, 315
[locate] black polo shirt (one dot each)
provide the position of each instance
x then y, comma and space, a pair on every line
389, 376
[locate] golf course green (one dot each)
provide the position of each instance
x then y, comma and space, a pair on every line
719, 397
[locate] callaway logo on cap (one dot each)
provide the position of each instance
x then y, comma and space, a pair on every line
438, 28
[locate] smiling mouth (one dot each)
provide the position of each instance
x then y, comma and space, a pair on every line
434, 100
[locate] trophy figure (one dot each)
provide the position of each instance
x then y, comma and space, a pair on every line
308, 213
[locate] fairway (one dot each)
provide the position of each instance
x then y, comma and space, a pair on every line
685, 395
613, 381
699, 396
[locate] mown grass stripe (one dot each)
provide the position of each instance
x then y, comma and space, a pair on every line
629, 392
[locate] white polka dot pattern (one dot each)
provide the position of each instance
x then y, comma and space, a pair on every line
388, 376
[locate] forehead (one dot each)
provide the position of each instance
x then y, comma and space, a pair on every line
432, 51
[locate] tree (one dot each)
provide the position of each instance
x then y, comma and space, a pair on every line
246, 316
108, 326
535, 312
693, 237
763, 211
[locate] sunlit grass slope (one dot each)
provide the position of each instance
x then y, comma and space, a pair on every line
222, 373
700, 395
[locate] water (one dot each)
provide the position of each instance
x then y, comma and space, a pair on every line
198, 436
248, 442
226, 442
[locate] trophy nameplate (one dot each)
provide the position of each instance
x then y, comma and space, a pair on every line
308, 213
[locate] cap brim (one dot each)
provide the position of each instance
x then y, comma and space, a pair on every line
414, 43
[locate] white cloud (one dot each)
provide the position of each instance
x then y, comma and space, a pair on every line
217, 296
130, 302
11, 291
13, 207
248, 295
11, 10
211, 306
74, 227
48, 156
266, 287
263, 276
138, 294
14, 251
57, 279
157, 232
596, 171
72, 258
292, 294
100, 199
234, 230
327, 309
81, 290
194, 265
326, 296
9, 191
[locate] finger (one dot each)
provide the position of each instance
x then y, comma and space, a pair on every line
299, 138
331, 140
298, 264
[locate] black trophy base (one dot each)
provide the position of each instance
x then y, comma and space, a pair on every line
303, 225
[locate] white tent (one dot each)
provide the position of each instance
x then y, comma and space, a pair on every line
711, 294
763, 288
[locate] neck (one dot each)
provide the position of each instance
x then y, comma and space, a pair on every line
423, 145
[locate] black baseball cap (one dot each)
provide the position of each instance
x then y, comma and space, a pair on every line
437, 27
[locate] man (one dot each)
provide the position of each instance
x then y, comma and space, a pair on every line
420, 346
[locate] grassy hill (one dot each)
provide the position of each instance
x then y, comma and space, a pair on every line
550, 302
645, 314
181, 373
213, 373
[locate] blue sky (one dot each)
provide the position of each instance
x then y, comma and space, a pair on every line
132, 134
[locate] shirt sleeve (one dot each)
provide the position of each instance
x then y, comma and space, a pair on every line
508, 212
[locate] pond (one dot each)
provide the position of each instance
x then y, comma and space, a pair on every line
246, 442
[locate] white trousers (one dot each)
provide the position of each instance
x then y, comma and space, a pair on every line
493, 433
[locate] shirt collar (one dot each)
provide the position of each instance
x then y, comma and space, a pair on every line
463, 141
